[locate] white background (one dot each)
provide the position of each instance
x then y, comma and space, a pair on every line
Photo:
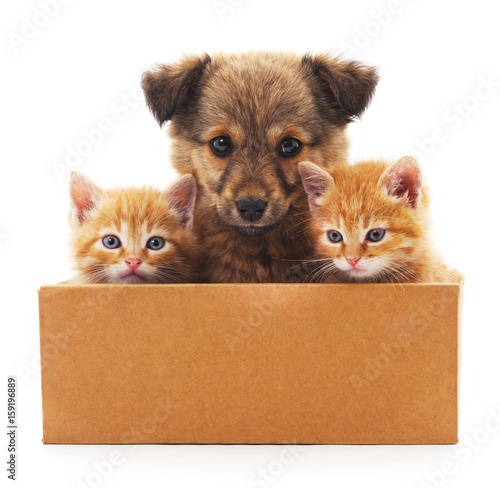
79, 68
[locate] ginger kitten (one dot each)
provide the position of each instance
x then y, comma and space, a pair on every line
133, 235
370, 224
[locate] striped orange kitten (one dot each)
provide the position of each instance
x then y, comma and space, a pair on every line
369, 224
133, 235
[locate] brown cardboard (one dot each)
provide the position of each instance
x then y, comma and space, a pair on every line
250, 364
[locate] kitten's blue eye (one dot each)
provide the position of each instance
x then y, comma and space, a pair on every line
155, 243
111, 242
375, 235
334, 236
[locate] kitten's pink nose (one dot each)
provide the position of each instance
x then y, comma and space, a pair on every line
133, 263
352, 261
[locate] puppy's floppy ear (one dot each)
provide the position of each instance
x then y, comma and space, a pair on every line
348, 85
169, 85
316, 182
181, 197
403, 180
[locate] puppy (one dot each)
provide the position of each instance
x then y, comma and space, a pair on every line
241, 124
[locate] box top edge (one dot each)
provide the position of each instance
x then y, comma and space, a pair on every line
230, 285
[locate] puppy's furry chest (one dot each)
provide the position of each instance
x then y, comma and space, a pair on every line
232, 258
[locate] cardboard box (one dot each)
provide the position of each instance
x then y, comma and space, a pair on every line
250, 364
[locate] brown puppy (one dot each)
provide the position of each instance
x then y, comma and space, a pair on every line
241, 124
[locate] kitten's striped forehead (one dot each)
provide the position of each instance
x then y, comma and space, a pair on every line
138, 209
358, 199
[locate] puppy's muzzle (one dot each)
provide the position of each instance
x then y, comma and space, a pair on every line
251, 210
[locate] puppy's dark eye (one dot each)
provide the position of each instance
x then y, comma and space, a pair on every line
155, 243
375, 235
289, 147
334, 236
221, 145
111, 242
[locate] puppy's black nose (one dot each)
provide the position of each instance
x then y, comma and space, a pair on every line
251, 210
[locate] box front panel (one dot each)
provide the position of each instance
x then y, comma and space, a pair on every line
294, 363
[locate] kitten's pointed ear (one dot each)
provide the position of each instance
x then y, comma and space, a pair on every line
85, 195
316, 182
403, 179
169, 86
181, 197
